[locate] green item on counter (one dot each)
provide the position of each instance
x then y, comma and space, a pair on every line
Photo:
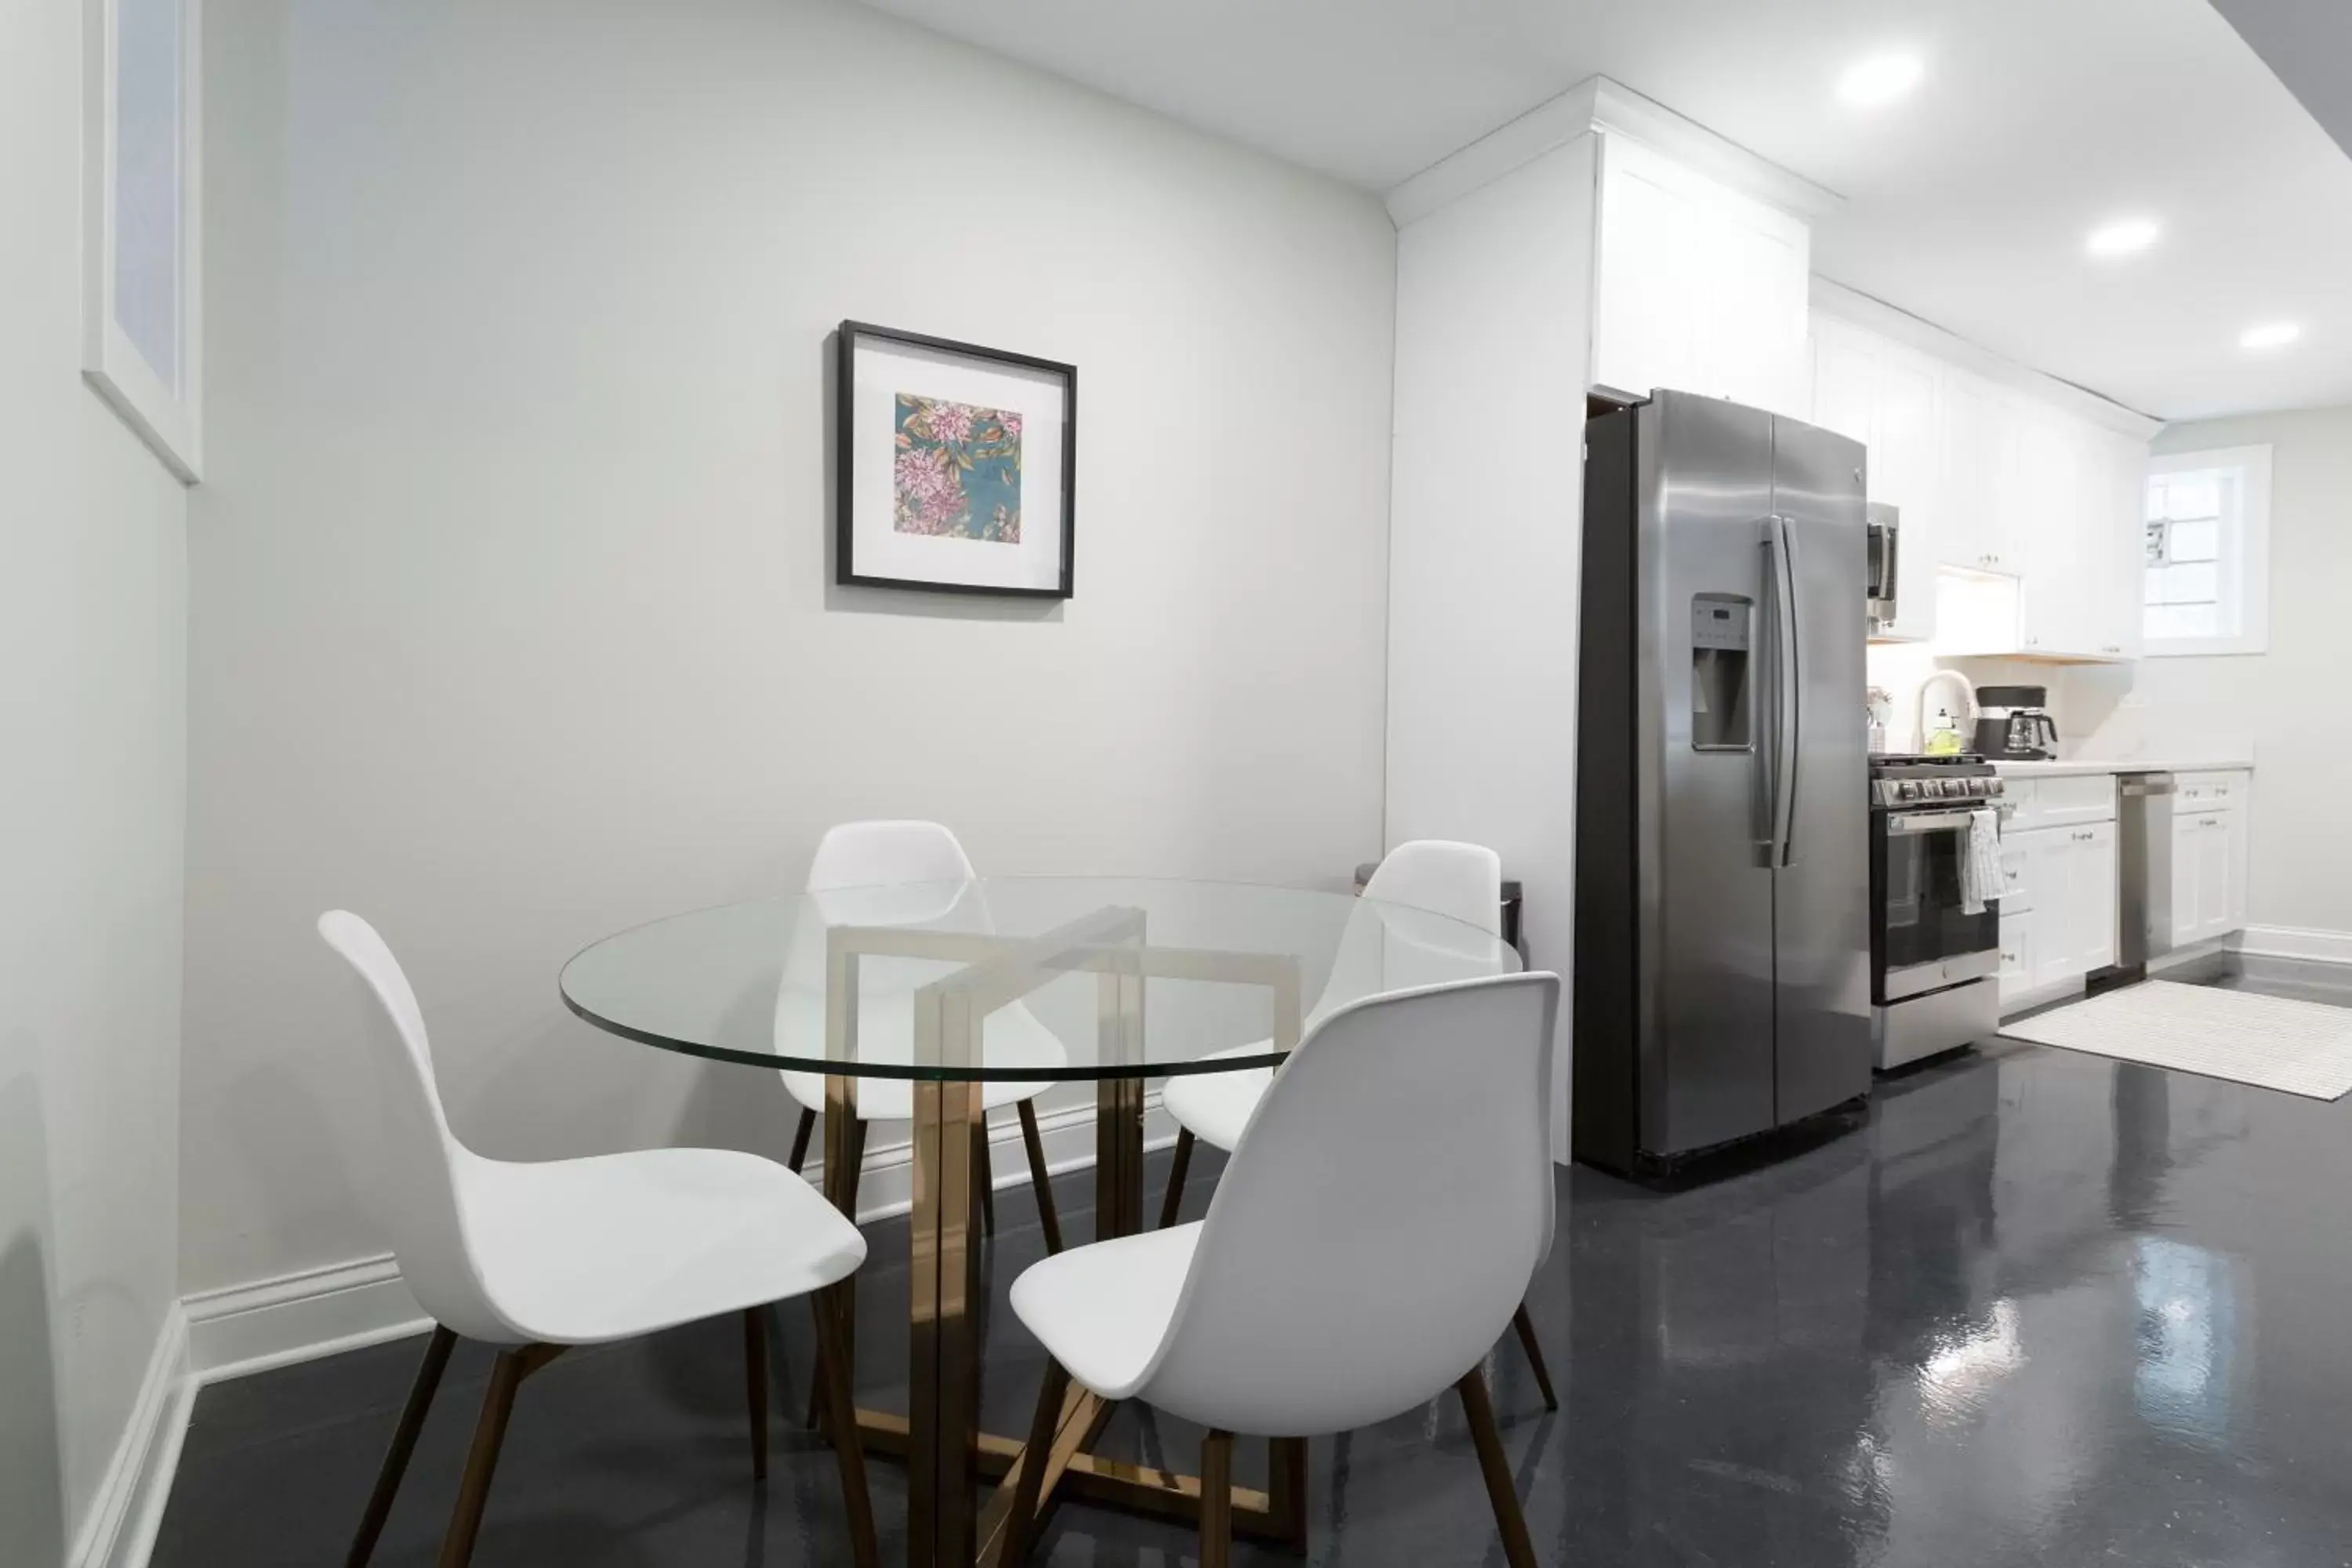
1944, 739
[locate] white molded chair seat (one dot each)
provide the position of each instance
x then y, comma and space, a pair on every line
614, 1246
1332, 1285
1103, 1310
1214, 1107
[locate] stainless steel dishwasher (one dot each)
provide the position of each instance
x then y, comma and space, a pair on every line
2144, 872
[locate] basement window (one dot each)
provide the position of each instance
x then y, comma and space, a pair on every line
2207, 582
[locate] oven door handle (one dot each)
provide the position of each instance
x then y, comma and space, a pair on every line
1929, 821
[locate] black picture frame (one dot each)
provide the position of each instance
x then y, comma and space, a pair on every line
846, 573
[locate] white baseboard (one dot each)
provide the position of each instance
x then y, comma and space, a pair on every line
299, 1317
119, 1530
347, 1306
2195, 953
2290, 941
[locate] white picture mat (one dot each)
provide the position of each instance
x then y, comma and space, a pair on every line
2271, 1042
880, 371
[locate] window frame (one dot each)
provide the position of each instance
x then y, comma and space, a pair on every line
2243, 552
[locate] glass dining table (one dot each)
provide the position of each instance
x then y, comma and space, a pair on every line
950, 987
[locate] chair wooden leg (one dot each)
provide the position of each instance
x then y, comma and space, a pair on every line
1526, 1327
1286, 1490
489, 1432
849, 1450
983, 1176
856, 1170
755, 1377
848, 1334
800, 1140
1175, 1199
1518, 1550
403, 1443
1021, 1525
1035, 1142
1217, 1500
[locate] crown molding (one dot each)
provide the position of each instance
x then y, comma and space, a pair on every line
1600, 104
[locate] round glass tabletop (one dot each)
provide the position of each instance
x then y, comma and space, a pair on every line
1015, 979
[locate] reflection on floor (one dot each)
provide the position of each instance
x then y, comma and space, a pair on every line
2042, 1309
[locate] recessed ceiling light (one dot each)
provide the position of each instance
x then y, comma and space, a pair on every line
2269, 335
1882, 79
2123, 238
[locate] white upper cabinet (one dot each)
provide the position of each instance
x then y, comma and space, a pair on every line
1981, 446
1700, 289
1886, 396
2022, 518
2118, 513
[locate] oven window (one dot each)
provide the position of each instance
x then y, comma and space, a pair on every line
1915, 878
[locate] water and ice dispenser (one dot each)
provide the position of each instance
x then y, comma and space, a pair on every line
1720, 627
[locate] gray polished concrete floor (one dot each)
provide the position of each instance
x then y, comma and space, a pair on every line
2040, 1309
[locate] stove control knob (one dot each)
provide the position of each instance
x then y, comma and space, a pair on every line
1908, 790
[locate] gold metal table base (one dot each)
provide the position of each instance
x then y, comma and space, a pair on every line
947, 1454
1275, 1517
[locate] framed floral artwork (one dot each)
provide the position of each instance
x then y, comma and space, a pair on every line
958, 465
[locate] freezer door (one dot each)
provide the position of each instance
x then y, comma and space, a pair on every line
1704, 484
1822, 885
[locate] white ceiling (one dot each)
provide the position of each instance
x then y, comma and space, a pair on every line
1967, 202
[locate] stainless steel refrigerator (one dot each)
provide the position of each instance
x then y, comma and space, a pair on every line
1722, 975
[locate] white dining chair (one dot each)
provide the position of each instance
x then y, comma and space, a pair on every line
1332, 1283
538, 1257
925, 857
1461, 881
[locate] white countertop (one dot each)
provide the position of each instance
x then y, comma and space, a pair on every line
2077, 766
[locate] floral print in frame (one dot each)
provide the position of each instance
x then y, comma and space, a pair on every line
958, 471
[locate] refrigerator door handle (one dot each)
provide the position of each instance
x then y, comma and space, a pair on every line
1789, 667
1772, 692
1776, 759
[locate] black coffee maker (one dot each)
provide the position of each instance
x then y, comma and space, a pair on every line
2013, 722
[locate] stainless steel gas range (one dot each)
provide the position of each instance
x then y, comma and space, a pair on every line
1933, 965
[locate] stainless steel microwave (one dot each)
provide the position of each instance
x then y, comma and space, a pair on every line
1884, 552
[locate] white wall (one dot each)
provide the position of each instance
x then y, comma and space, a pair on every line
511, 620
1494, 322
2288, 704
93, 754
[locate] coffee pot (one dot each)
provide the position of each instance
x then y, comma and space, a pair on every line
2014, 721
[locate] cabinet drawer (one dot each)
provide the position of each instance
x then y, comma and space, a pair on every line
2061, 801
2208, 791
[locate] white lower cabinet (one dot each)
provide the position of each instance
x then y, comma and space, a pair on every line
2209, 875
2058, 922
